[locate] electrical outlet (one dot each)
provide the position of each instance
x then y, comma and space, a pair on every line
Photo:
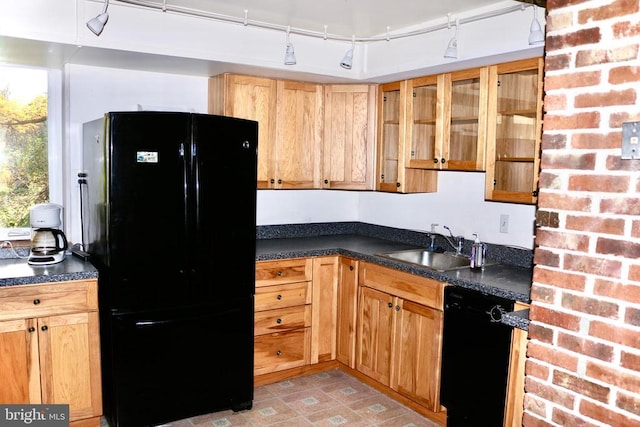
504, 223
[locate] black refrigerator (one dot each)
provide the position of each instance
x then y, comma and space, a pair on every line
169, 220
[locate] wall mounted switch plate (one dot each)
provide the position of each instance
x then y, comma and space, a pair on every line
630, 140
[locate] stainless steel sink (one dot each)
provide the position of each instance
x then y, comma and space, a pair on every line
438, 261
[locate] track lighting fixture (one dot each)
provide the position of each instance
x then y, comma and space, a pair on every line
452, 47
348, 57
536, 36
289, 55
96, 25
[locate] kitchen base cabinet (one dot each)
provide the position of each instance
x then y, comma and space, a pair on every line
324, 304
514, 405
399, 341
347, 305
50, 348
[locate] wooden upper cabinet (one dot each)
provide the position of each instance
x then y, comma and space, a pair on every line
349, 136
252, 98
298, 148
392, 167
514, 131
289, 115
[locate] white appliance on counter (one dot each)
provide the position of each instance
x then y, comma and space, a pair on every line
48, 242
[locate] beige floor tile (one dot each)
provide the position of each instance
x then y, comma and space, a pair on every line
309, 401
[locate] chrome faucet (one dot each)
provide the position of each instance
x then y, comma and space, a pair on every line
458, 239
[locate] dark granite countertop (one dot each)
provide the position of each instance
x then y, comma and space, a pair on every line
16, 271
518, 319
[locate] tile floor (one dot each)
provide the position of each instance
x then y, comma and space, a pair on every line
332, 398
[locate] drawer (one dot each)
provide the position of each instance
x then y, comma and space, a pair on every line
283, 319
279, 351
421, 290
283, 271
24, 301
280, 296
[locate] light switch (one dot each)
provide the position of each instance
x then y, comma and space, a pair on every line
631, 140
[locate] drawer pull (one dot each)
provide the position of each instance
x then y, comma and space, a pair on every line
279, 321
279, 297
278, 353
44, 328
36, 301
397, 308
31, 329
279, 273
390, 305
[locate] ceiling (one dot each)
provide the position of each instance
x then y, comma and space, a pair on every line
362, 18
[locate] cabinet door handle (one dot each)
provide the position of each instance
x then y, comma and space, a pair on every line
326, 181
351, 268
36, 301
397, 308
279, 297
278, 353
390, 305
435, 160
31, 329
272, 180
442, 160
279, 321
279, 273
44, 328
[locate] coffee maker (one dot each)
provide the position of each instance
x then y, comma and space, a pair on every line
48, 242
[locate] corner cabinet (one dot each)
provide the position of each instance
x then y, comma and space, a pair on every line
290, 117
399, 335
513, 131
394, 173
349, 136
50, 347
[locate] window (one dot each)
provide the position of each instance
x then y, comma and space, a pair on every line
24, 147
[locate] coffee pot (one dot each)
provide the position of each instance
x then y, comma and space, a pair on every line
48, 242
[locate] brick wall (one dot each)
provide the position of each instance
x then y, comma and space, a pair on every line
584, 351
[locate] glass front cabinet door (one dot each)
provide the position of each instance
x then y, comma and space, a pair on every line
514, 131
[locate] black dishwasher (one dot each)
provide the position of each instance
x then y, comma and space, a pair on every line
475, 358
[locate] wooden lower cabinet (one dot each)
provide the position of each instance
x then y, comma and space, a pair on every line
346, 315
399, 339
514, 405
50, 347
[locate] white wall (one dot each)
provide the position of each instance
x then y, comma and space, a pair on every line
459, 203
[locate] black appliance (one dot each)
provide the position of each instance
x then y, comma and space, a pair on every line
475, 358
169, 216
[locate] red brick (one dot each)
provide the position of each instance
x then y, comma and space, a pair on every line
542, 293
632, 316
596, 140
592, 306
548, 392
572, 80
588, 57
585, 346
620, 291
557, 4
626, 29
560, 240
557, 318
595, 224
618, 247
615, 334
553, 141
559, 279
615, 163
605, 99
635, 228
563, 417
605, 415
575, 38
615, 9
552, 160
587, 120
611, 374
617, 119
555, 102
532, 405
535, 369
634, 273
628, 403
599, 183
564, 202
549, 181
624, 74
593, 265
630, 361
557, 62
545, 257
621, 206
581, 386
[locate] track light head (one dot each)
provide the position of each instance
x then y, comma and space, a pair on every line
96, 25
536, 36
289, 55
347, 61
452, 47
